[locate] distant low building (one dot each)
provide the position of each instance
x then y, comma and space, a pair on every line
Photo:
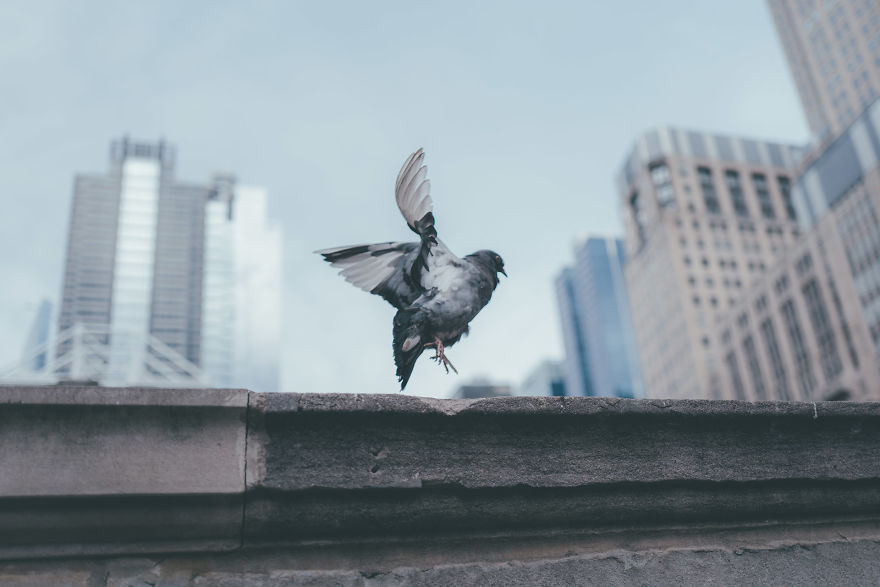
547, 379
478, 389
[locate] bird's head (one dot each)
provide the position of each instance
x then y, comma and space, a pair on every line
492, 260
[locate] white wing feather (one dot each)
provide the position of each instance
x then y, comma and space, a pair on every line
365, 270
412, 190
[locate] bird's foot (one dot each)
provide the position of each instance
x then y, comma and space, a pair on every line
440, 356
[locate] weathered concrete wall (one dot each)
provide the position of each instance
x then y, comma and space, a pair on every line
224, 487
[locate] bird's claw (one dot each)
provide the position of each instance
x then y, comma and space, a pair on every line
440, 356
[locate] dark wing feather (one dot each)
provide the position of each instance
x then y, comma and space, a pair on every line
383, 269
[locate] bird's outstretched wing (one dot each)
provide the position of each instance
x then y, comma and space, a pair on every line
383, 269
413, 194
395, 270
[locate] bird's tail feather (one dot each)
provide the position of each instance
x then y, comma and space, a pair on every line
407, 342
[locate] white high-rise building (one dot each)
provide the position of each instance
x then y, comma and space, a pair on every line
169, 282
704, 216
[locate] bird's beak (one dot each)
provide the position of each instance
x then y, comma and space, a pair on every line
503, 272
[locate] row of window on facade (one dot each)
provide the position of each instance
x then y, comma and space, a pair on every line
819, 316
665, 192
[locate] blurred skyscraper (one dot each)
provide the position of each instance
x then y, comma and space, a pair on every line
168, 281
833, 51
704, 216
600, 353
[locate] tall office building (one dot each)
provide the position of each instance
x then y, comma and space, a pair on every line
169, 281
601, 358
810, 329
833, 52
704, 216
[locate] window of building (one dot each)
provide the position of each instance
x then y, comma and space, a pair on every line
841, 317
736, 194
707, 186
830, 358
735, 379
780, 380
804, 264
782, 283
796, 336
754, 367
638, 215
759, 180
761, 304
662, 184
785, 190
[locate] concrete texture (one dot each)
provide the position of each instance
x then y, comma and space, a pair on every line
93, 470
222, 487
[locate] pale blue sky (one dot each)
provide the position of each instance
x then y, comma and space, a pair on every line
525, 110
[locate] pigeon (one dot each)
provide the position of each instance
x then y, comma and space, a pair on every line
435, 292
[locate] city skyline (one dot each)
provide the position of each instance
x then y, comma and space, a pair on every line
312, 106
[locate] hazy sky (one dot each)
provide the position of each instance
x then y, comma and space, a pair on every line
526, 111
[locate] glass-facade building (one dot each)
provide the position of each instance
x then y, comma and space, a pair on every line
165, 272
600, 352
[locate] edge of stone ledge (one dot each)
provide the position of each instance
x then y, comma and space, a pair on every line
408, 404
87, 395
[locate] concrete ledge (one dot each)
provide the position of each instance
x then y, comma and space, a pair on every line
88, 470
309, 483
